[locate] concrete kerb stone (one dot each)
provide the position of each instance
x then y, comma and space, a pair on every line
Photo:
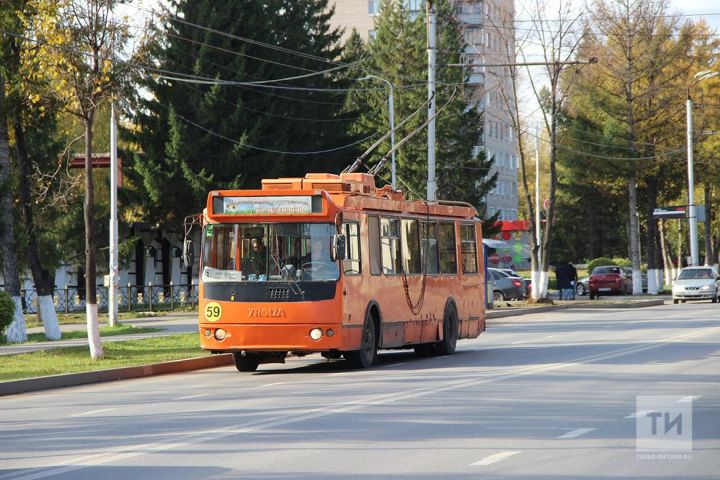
73, 379
512, 312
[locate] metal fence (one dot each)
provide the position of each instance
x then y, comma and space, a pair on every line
131, 298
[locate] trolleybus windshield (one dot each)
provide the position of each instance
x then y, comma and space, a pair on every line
259, 252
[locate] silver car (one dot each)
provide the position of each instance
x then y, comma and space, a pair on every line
504, 287
696, 283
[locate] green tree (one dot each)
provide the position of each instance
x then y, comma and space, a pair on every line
8, 248
195, 136
32, 120
398, 54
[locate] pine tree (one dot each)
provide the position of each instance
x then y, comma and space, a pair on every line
196, 136
398, 54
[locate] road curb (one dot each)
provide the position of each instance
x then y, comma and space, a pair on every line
491, 314
13, 387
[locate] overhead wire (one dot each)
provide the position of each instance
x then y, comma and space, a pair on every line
270, 150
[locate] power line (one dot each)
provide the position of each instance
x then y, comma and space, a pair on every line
269, 150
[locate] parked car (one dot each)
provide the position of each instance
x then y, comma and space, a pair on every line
505, 287
609, 279
582, 286
512, 273
643, 277
696, 283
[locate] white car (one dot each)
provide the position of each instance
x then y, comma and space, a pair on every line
696, 283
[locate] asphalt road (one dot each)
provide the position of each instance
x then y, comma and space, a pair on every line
542, 396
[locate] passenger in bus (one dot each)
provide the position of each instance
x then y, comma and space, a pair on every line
255, 260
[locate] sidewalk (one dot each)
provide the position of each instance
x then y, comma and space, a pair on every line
511, 309
169, 325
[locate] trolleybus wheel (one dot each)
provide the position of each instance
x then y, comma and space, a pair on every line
246, 361
365, 357
447, 345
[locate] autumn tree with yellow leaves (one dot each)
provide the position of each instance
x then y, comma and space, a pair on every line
79, 42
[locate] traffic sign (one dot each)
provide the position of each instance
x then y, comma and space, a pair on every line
670, 212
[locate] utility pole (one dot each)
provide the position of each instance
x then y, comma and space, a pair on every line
537, 194
692, 214
431, 33
113, 286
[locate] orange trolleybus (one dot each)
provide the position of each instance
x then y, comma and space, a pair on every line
331, 264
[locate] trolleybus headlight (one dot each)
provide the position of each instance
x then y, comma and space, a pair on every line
220, 334
316, 334
330, 332
208, 332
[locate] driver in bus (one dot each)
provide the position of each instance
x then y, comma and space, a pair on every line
317, 252
255, 260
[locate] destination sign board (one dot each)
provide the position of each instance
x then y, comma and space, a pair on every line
271, 205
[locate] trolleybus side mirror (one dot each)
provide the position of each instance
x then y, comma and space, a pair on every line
339, 247
188, 254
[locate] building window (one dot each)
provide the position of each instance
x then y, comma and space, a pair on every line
373, 7
413, 6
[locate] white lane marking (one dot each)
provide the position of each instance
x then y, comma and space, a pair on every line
498, 457
396, 364
91, 413
191, 439
550, 336
639, 414
192, 396
272, 384
689, 399
577, 433
521, 341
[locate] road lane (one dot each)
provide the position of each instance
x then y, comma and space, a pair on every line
407, 418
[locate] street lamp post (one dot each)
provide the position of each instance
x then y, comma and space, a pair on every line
391, 108
692, 213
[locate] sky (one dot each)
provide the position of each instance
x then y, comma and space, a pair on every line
704, 7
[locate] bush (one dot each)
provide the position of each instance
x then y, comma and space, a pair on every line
598, 262
622, 262
7, 313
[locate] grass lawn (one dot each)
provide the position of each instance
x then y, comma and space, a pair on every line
117, 354
104, 332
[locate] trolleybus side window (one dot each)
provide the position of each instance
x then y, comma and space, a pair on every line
374, 242
390, 245
468, 248
410, 246
448, 254
428, 236
351, 264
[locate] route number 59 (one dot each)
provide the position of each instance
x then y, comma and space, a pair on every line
213, 312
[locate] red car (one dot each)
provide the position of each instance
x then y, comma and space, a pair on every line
609, 279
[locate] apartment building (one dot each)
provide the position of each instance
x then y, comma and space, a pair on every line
488, 32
